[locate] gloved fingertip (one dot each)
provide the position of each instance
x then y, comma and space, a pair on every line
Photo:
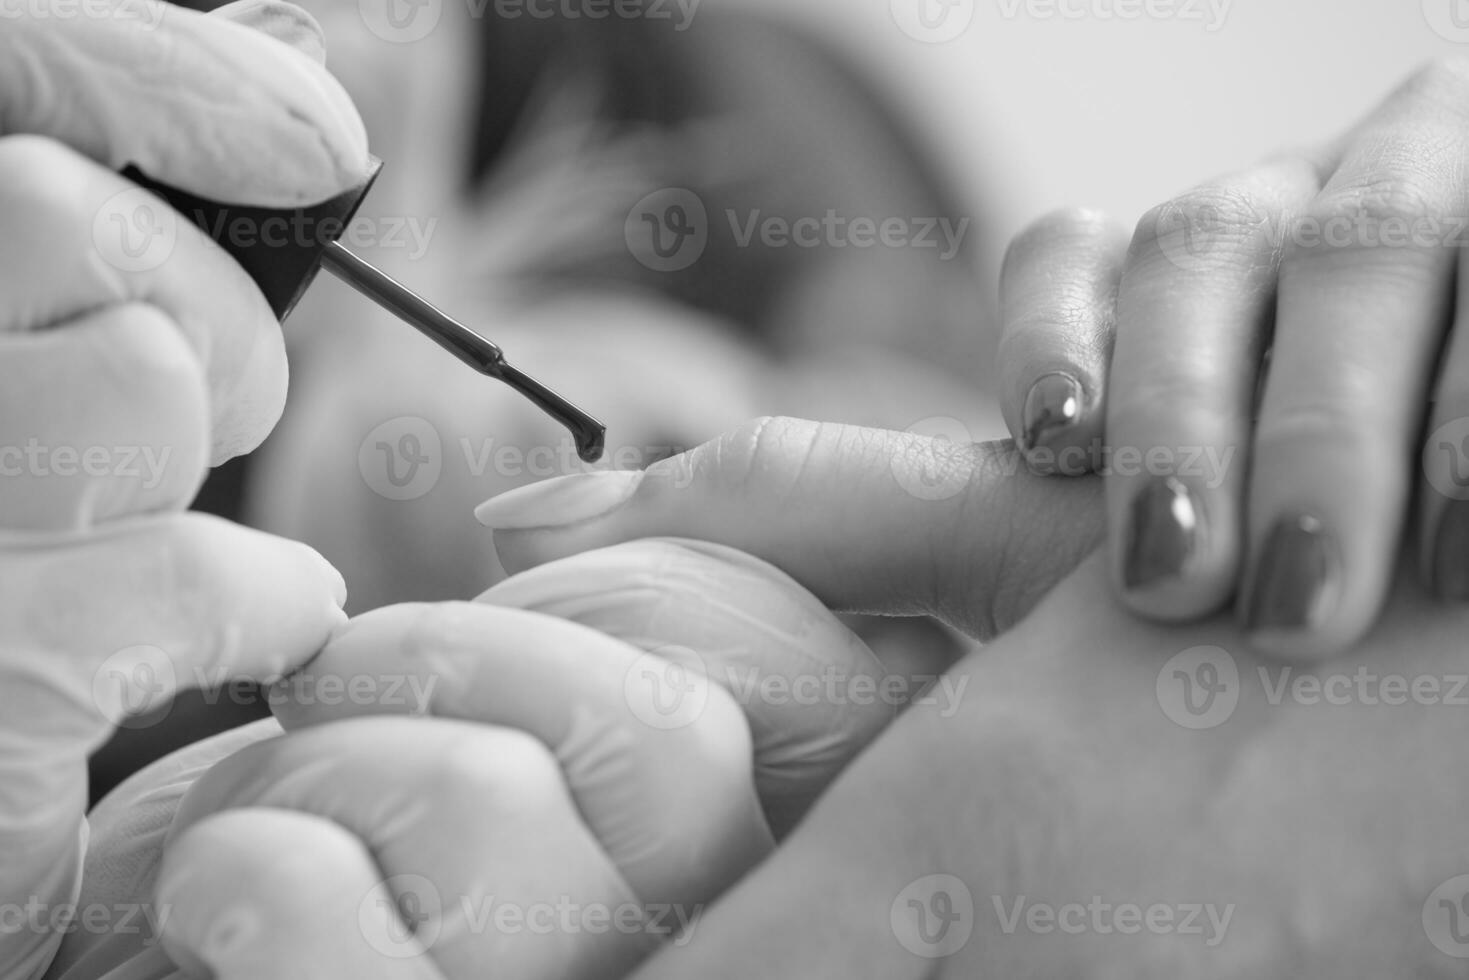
286, 22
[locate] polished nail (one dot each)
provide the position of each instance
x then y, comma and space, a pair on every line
1449, 573
559, 502
1052, 406
1165, 528
1297, 581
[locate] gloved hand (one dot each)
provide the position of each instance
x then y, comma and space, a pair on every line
134, 354
573, 802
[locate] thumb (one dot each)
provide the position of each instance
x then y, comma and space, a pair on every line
208, 104
870, 521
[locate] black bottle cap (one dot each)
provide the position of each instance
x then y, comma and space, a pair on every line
280, 248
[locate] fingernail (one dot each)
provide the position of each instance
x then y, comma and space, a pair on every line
1164, 531
1052, 406
1450, 571
559, 502
1298, 579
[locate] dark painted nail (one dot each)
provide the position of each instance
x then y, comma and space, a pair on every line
1298, 579
1052, 405
1450, 571
1164, 531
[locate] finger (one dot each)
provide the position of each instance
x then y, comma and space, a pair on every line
868, 520
1058, 300
198, 102
112, 624
657, 758
1443, 522
1195, 308
79, 252
138, 442
254, 893
474, 833
1371, 287
107, 625
813, 693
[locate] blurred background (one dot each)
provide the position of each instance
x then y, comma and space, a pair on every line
687, 213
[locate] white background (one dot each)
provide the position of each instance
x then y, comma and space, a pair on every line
1122, 114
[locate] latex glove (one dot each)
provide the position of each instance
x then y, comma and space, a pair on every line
127, 366
560, 762
1093, 759
1284, 495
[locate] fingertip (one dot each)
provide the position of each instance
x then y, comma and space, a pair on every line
1058, 292
286, 22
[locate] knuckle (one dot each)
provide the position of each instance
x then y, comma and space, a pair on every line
39, 178
230, 840
765, 452
1057, 230
502, 770
1445, 80
1401, 195
1323, 427
24, 156
1218, 220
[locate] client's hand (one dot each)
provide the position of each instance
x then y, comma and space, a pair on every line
1105, 798
1115, 799
1343, 261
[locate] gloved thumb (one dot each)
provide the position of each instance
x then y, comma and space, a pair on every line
871, 521
208, 104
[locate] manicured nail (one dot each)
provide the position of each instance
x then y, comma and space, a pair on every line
1164, 531
1298, 579
1449, 575
556, 503
1052, 406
